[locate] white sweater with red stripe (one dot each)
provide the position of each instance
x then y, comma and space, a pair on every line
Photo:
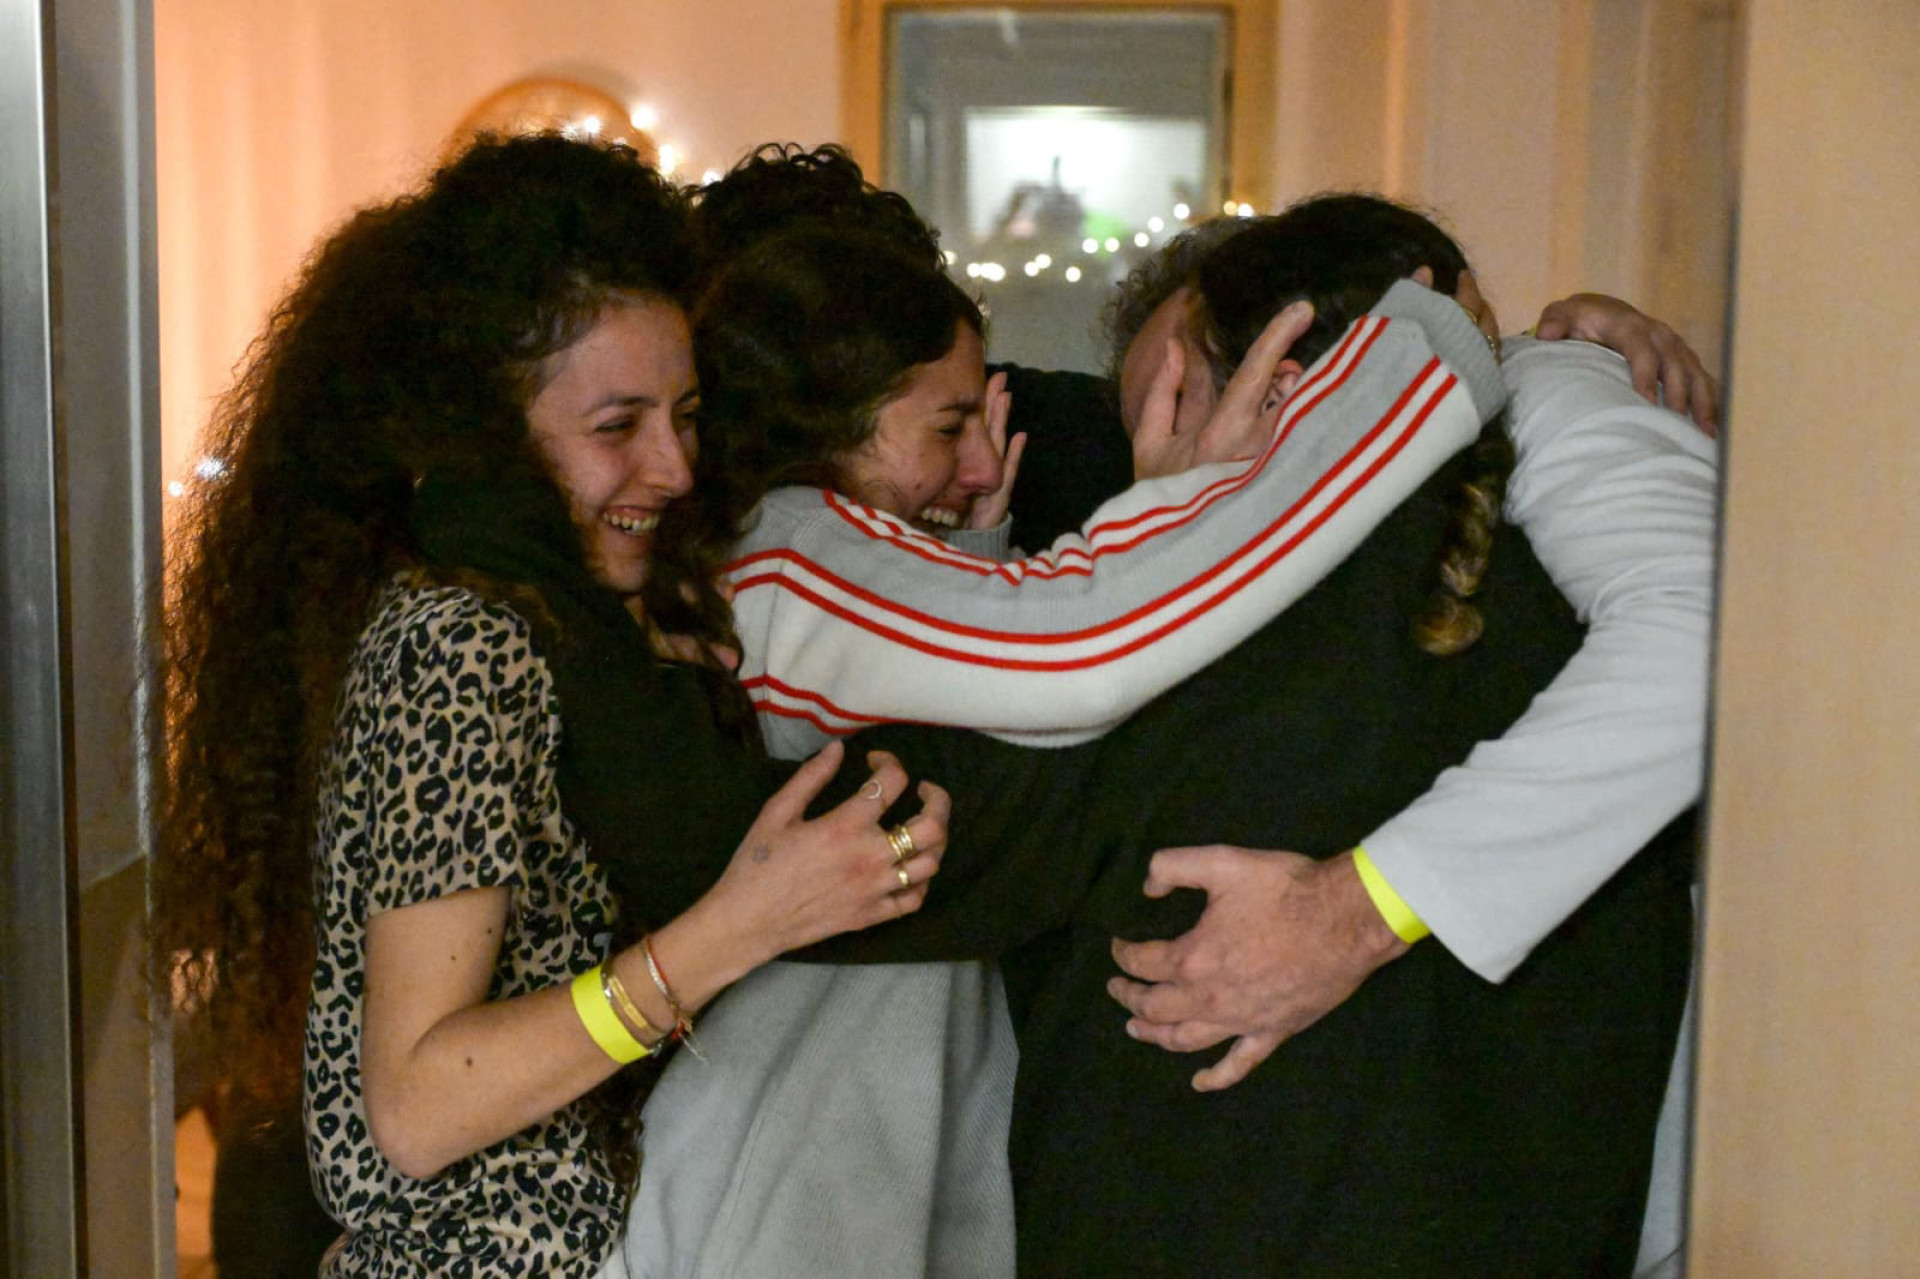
849, 616
853, 1121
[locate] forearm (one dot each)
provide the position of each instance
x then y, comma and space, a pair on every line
483, 1072
1618, 499
850, 619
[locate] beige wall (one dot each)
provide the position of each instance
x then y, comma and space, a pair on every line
1808, 1137
275, 120
1526, 122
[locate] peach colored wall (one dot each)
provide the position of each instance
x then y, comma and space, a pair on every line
1807, 1145
274, 121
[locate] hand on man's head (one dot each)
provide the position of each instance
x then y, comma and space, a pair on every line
1242, 421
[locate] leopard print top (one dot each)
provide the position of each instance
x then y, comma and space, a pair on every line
441, 777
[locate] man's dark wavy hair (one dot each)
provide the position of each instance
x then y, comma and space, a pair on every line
1342, 252
411, 344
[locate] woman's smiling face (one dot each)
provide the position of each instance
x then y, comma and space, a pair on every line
929, 456
614, 417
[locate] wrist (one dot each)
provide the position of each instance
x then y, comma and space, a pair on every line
1371, 932
703, 954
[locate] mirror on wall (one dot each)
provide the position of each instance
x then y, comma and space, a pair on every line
1054, 150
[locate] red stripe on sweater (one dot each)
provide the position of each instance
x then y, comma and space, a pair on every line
1331, 376
882, 605
1201, 607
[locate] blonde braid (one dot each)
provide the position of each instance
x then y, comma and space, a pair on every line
1450, 623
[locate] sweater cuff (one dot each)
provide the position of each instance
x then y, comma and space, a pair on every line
994, 543
1455, 338
1393, 908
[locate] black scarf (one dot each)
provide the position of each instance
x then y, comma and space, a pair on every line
660, 792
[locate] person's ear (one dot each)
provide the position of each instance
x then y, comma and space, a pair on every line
1422, 276
1280, 388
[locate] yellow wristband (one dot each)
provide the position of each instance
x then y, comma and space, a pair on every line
1406, 925
597, 1015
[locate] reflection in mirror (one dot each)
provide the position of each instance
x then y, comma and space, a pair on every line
1053, 151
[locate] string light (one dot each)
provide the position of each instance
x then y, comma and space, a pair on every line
645, 118
669, 159
993, 272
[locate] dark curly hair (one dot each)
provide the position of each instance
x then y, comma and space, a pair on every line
1161, 275
1341, 252
780, 187
799, 342
410, 345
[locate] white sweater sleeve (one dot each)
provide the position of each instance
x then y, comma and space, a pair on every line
1619, 500
848, 616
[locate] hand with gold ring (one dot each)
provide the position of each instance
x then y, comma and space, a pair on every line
795, 881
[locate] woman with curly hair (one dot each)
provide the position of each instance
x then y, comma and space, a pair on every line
404, 675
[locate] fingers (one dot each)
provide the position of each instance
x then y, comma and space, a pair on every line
1553, 323
1684, 382
915, 846
1179, 1037
1147, 960
1162, 403
1016, 448
1248, 385
1247, 1052
1161, 1001
791, 800
1643, 361
1173, 868
999, 404
889, 780
1467, 293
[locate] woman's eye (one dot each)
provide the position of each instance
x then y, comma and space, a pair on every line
614, 426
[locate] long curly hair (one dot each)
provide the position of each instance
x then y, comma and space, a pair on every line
410, 344
1341, 252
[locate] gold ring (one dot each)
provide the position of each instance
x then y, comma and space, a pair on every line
902, 840
906, 880
871, 790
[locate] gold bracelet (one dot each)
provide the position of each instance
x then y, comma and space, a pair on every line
602, 1023
616, 994
682, 1024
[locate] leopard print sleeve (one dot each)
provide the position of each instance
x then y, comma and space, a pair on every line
460, 725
